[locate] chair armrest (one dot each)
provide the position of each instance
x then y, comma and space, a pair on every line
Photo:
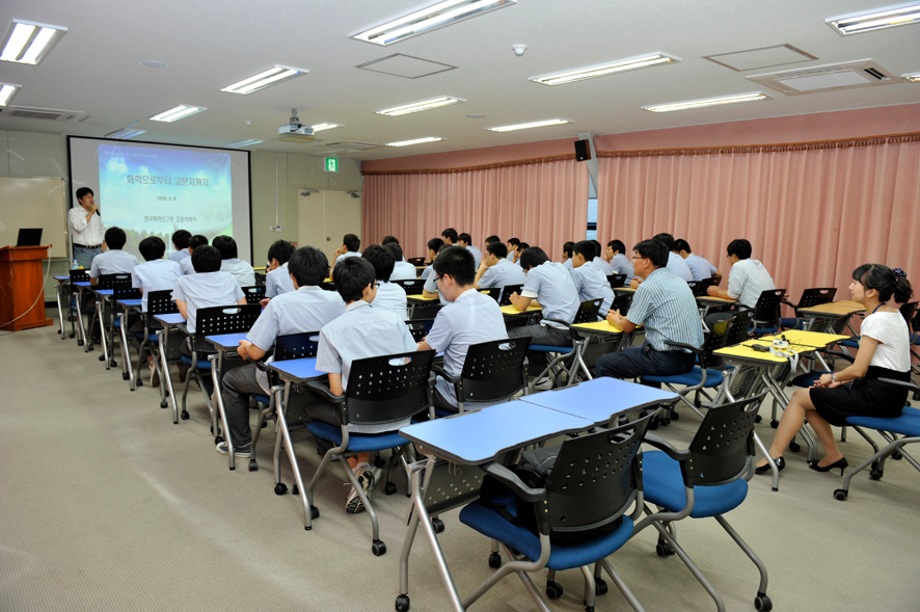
323, 390
511, 480
689, 347
665, 446
440, 371
900, 383
559, 321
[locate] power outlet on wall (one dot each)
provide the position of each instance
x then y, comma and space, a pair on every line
276, 228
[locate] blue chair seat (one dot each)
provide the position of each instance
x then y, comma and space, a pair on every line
906, 424
793, 323
260, 398
203, 364
689, 379
664, 487
852, 343
357, 443
490, 523
762, 331
547, 348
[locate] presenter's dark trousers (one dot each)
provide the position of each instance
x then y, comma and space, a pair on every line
639, 360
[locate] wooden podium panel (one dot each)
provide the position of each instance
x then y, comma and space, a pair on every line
22, 284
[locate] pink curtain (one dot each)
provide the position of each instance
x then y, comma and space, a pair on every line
542, 202
812, 211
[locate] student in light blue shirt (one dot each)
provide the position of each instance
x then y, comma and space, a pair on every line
513, 245
157, 274
402, 270
306, 309
599, 260
194, 242
589, 280
434, 246
567, 255
496, 270
112, 260
466, 241
676, 264
621, 264
699, 266
390, 296
207, 287
350, 248
469, 318
278, 279
180, 240
232, 264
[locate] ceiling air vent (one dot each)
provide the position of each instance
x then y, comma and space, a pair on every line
346, 147
53, 114
847, 75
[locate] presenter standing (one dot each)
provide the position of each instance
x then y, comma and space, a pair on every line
86, 231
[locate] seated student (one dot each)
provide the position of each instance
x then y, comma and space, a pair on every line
390, 296
402, 269
492, 238
434, 245
521, 247
676, 263
469, 318
551, 285
616, 257
430, 289
747, 279
306, 309
112, 260
699, 266
350, 248
361, 332
466, 241
450, 236
589, 280
496, 271
599, 260
157, 274
278, 278
195, 241
180, 239
240, 270
513, 245
209, 286
567, 255
665, 306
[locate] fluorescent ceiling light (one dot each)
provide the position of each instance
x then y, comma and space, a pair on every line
527, 126
319, 127
754, 96
180, 112
913, 77
876, 20
424, 105
406, 143
125, 133
239, 144
7, 91
262, 80
598, 70
427, 19
29, 43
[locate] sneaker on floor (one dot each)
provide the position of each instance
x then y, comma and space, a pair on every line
543, 384
370, 477
239, 451
353, 504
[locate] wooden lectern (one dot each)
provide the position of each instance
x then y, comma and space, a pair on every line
22, 284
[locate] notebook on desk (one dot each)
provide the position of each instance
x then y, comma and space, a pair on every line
29, 236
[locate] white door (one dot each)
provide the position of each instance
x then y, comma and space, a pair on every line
325, 217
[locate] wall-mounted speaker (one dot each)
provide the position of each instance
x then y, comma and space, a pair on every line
582, 150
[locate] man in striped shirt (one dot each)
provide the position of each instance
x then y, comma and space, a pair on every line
665, 307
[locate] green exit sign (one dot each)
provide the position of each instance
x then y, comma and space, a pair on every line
332, 164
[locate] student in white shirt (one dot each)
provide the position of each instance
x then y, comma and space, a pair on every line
747, 279
466, 241
278, 279
112, 260
402, 270
237, 268
699, 266
351, 246
390, 296
195, 241
496, 271
180, 240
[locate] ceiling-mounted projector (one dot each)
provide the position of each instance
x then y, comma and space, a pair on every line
294, 131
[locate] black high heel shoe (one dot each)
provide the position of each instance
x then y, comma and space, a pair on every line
780, 465
840, 463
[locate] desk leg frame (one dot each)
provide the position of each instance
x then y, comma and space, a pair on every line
126, 367
166, 383
283, 435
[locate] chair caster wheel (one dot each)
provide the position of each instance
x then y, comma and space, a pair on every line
553, 590
896, 455
664, 421
125, 376
253, 466
101, 357
758, 419
295, 490
876, 474
79, 342
402, 603
774, 423
495, 560
600, 586
840, 494
163, 404
139, 383
218, 439
314, 513
280, 488
114, 364
795, 446
438, 525
664, 549
589, 608
389, 488
762, 602
675, 416
378, 548
184, 415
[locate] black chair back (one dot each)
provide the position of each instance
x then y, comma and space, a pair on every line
700, 287
767, 309
419, 328
595, 479
494, 370
254, 293
161, 302
79, 276
110, 281
416, 261
723, 446
587, 311
226, 319
122, 292
621, 303
739, 327
507, 290
616, 280
412, 287
388, 388
816, 296
493, 292
296, 346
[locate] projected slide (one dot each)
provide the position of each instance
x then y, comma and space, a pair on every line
151, 189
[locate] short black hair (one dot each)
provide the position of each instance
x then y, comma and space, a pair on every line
435, 244
598, 249
226, 246
522, 246
152, 248
280, 250
381, 259
115, 238
666, 238
196, 241
618, 246
82, 192
533, 257
585, 248
352, 275
493, 238
465, 238
498, 249
395, 250
450, 234
388, 239
682, 245
180, 238
351, 242
739, 247
309, 266
567, 248
458, 263
206, 258
514, 241
655, 250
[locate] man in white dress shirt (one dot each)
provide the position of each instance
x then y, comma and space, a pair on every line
86, 231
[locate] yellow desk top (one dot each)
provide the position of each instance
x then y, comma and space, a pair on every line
839, 309
510, 309
626, 289
711, 299
598, 327
807, 338
421, 298
745, 352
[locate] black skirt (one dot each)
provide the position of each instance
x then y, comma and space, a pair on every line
865, 396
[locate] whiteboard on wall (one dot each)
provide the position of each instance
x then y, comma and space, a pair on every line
34, 202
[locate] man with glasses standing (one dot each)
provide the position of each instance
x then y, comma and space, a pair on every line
86, 231
665, 306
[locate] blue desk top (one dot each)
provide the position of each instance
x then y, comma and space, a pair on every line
296, 370
599, 399
129, 303
104, 292
172, 318
226, 341
61, 278
474, 438
81, 284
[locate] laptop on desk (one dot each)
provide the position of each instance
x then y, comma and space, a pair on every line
29, 236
